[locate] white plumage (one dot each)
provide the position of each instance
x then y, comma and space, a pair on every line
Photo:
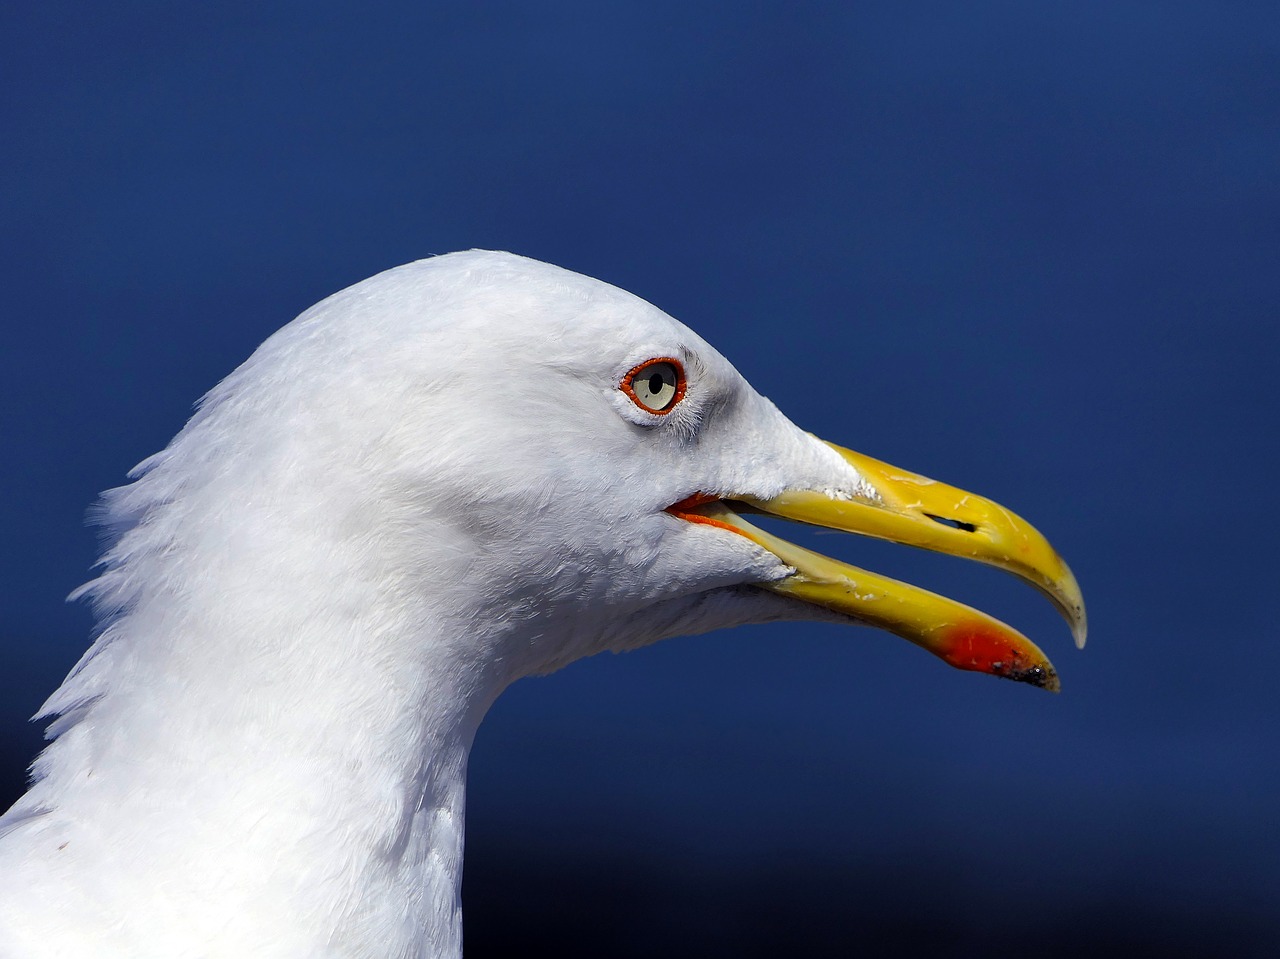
422, 489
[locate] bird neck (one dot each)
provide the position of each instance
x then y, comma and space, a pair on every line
250, 740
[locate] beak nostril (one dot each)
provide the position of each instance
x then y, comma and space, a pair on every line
953, 523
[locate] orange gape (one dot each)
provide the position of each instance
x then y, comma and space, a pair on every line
684, 510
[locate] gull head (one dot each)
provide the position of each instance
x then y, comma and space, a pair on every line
566, 468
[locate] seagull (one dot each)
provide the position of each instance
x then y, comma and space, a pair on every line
463, 471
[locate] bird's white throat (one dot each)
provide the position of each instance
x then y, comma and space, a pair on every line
277, 726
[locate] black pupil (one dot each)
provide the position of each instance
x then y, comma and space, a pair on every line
655, 383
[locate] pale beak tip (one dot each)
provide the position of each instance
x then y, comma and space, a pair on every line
1079, 630
1064, 590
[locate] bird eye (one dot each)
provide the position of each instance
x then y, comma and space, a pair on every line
655, 385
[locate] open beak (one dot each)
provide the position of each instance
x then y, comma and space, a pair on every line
920, 512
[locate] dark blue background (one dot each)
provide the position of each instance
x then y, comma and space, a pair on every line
1031, 249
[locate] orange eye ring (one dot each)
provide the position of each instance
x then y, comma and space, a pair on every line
656, 385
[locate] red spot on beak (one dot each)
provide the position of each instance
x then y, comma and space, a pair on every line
977, 647
973, 646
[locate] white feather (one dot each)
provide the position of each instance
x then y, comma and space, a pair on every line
425, 487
